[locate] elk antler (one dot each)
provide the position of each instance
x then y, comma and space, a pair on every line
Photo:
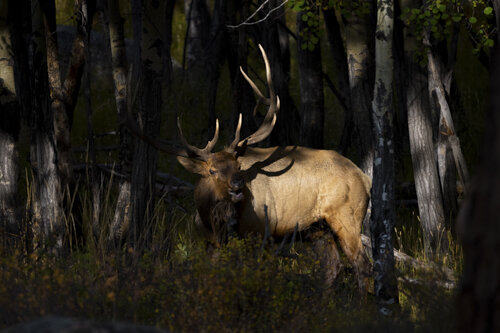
202, 154
193, 151
274, 104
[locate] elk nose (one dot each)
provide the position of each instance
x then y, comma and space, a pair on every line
237, 183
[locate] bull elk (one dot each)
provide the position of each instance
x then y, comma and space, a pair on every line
281, 187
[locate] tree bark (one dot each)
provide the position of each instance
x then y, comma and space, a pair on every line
477, 223
311, 87
94, 175
119, 64
216, 54
9, 127
167, 55
197, 37
359, 49
243, 100
150, 101
74, 73
383, 212
63, 93
430, 203
288, 122
342, 74
449, 153
48, 223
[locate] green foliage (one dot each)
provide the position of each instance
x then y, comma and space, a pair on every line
438, 18
310, 15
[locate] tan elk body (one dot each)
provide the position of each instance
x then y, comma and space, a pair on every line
286, 187
282, 186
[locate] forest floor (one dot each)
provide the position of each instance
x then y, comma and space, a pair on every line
176, 284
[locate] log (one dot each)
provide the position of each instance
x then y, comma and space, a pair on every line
449, 280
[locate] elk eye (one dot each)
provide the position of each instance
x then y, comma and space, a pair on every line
212, 172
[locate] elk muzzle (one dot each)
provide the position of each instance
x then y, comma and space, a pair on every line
235, 188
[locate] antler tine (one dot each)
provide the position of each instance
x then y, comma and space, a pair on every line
273, 101
211, 144
236, 136
272, 95
196, 152
252, 84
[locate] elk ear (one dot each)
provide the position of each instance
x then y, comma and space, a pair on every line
192, 165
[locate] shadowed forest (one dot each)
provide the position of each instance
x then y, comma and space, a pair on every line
348, 180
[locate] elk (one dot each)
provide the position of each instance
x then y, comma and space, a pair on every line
279, 187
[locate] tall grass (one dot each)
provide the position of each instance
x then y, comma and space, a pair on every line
177, 283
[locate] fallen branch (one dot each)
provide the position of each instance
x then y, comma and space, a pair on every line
401, 257
165, 183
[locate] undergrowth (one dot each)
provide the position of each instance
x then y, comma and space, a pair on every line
178, 283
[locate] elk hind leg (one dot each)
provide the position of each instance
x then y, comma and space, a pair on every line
347, 226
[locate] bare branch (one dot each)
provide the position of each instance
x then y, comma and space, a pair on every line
247, 21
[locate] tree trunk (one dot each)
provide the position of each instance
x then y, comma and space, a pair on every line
479, 230
311, 86
119, 63
145, 156
477, 223
359, 48
48, 227
74, 73
401, 139
288, 124
243, 100
196, 40
449, 153
216, 54
94, 174
61, 122
167, 56
64, 91
9, 128
430, 203
342, 74
383, 213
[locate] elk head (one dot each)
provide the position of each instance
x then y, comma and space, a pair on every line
220, 171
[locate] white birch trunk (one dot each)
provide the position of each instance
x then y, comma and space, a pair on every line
382, 218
